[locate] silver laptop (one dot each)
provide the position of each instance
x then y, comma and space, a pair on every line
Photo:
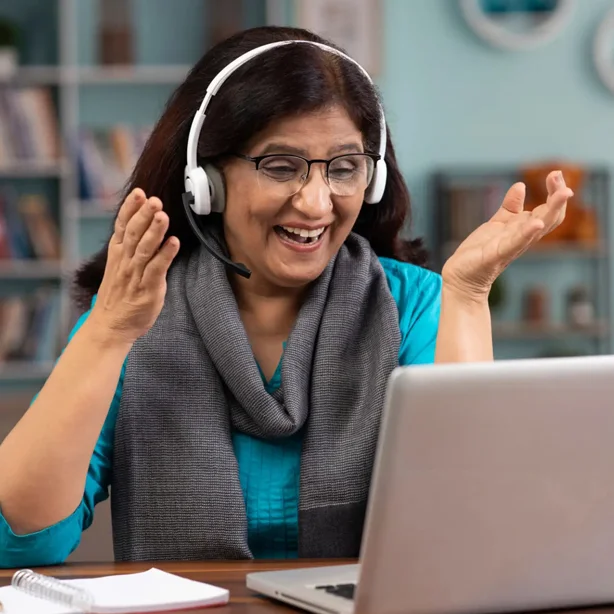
493, 490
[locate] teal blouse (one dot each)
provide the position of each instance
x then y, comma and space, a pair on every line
269, 471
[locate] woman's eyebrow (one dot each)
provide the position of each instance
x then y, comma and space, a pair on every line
276, 147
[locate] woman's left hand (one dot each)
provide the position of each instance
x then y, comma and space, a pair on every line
486, 252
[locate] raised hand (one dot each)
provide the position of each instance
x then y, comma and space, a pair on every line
133, 288
487, 251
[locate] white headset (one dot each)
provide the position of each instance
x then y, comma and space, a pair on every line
204, 187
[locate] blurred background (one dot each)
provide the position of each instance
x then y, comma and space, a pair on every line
478, 94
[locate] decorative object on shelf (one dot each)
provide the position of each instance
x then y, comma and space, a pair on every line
536, 305
29, 331
106, 158
9, 55
116, 36
224, 19
580, 225
603, 46
354, 25
29, 126
28, 230
517, 24
580, 309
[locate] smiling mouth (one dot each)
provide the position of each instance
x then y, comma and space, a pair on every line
301, 235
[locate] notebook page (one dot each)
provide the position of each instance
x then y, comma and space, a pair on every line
149, 591
18, 602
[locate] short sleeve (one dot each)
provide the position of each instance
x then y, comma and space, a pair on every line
417, 292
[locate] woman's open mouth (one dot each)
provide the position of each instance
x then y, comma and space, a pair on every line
300, 238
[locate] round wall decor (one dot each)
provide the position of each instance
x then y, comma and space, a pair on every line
517, 24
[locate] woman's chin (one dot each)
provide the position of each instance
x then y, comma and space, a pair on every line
297, 276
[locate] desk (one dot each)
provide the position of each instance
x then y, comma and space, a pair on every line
230, 575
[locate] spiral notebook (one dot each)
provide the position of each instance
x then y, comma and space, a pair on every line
149, 591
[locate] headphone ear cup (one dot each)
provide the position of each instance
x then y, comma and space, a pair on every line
197, 183
376, 188
217, 188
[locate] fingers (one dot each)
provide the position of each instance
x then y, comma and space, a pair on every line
157, 267
150, 242
513, 203
554, 180
138, 225
552, 212
131, 205
140, 228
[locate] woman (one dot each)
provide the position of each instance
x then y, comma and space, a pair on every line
173, 390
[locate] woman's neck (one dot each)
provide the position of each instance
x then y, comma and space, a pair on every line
268, 315
270, 309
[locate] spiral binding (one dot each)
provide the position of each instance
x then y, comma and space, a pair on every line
51, 589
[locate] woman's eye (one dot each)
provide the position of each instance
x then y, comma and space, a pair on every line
280, 169
340, 173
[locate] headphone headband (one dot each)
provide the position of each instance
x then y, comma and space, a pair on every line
204, 187
222, 76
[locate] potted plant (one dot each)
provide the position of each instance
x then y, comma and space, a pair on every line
9, 38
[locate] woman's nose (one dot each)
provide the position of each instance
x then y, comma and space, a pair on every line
314, 198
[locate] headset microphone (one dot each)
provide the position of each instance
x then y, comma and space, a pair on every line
204, 187
237, 267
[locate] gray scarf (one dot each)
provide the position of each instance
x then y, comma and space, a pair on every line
193, 378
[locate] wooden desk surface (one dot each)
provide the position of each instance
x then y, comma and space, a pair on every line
230, 575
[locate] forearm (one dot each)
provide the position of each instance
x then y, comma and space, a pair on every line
465, 332
45, 458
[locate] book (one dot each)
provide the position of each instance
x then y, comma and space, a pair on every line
149, 591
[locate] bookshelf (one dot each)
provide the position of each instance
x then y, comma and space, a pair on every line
555, 299
59, 54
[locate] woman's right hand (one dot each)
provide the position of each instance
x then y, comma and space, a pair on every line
133, 288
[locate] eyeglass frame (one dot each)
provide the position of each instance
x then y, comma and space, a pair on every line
258, 159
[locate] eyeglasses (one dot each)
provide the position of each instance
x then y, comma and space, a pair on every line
284, 175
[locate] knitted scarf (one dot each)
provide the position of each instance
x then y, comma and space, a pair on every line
192, 379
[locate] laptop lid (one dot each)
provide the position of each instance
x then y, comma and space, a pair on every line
493, 489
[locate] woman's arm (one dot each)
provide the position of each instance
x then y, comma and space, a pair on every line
45, 458
465, 333
52, 545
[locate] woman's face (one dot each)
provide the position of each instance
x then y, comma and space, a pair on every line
263, 219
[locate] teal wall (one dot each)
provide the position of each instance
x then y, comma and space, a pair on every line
451, 99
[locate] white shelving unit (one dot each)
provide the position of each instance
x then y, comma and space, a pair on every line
68, 78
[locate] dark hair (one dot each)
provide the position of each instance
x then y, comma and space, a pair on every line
287, 81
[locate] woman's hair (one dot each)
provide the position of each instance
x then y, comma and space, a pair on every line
286, 81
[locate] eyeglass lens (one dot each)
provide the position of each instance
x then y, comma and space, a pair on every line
286, 174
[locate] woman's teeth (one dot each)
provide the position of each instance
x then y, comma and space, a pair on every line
300, 235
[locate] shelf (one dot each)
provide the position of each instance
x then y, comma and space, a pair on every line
134, 75
97, 75
29, 269
522, 331
565, 250
95, 209
33, 169
34, 75
545, 251
25, 371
